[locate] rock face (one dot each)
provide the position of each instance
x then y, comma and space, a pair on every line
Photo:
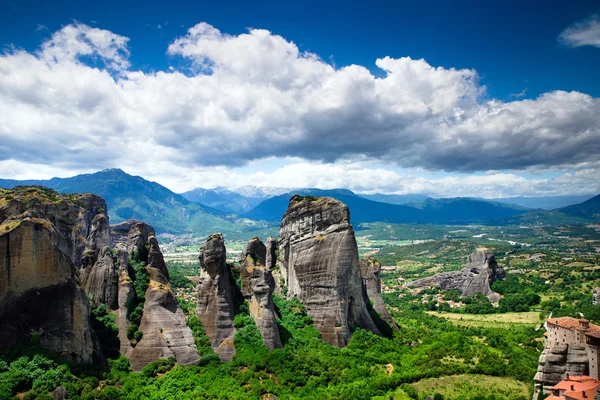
596, 297
218, 296
370, 270
557, 362
165, 329
320, 266
100, 279
257, 288
125, 298
552, 366
39, 291
480, 272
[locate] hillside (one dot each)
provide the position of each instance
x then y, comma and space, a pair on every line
588, 209
433, 211
226, 200
465, 210
543, 202
133, 197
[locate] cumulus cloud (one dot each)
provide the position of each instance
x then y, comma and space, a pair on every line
76, 104
583, 33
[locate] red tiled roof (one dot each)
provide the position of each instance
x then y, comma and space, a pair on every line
576, 387
574, 324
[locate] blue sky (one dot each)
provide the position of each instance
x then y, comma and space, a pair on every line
492, 56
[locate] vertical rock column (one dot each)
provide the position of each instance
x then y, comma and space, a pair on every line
217, 293
370, 270
320, 260
257, 288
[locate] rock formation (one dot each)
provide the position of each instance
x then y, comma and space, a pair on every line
125, 298
257, 288
40, 296
100, 280
478, 275
164, 325
320, 266
217, 297
596, 297
557, 362
370, 270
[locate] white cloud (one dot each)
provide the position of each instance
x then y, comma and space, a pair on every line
583, 33
78, 40
257, 95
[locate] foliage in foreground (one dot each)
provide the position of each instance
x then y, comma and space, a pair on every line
305, 368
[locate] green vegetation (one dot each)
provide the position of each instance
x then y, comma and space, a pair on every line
141, 281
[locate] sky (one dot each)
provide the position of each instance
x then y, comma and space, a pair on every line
466, 98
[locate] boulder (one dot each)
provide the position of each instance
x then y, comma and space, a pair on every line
257, 288
218, 296
320, 262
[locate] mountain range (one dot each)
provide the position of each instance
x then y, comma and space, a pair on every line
248, 209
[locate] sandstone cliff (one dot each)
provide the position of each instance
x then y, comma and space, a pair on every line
39, 290
477, 276
370, 270
163, 324
257, 288
218, 296
320, 266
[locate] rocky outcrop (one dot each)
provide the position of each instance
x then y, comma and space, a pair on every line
101, 280
551, 367
478, 275
320, 264
596, 297
370, 270
137, 239
257, 288
40, 297
557, 362
164, 326
217, 297
125, 298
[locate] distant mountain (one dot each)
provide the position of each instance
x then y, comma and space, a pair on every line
399, 199
544, 202
588, 209
236, 201
258, 192
466, 210
435, 211
133, 197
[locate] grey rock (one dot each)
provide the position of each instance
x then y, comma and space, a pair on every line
137, 238
596, 297
164, 326
478, 275
370, 270
100, 280
320, 261
39, 292
60, 393
257, 288
126, 296
271, 250
217, 297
